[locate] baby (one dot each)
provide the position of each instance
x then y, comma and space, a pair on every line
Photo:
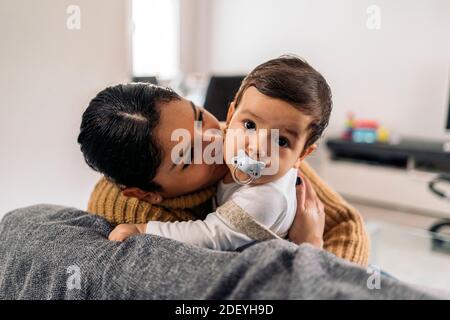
280, 110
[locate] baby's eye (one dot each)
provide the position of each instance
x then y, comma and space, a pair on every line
283, 142
249, 125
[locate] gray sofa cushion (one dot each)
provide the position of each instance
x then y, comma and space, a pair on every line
55, 252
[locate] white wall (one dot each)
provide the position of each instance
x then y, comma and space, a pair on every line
48, 74
195, 37
398, 74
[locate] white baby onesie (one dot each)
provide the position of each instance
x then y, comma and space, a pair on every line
272, 204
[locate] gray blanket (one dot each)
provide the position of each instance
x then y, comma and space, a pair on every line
55, 252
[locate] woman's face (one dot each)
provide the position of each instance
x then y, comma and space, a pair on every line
179, 179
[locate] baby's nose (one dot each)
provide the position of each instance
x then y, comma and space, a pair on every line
256, 146
256, 153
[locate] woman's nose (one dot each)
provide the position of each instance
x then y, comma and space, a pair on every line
211, 136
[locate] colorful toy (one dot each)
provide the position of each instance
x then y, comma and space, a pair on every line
383, 135
349, 125
364, 131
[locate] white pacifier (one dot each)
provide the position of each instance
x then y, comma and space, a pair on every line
249, 166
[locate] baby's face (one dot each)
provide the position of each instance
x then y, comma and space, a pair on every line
257, 111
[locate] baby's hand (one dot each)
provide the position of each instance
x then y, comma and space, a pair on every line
123, 231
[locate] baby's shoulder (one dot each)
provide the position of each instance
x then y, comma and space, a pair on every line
261, 197
284, 185
262, 190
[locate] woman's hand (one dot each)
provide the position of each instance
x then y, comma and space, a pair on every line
123, 231
309, 221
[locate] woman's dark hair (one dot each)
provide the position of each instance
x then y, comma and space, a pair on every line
116, 133
293, 80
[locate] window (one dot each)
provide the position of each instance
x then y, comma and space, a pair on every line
155, 38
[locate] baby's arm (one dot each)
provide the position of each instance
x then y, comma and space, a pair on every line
211, 233
264, 203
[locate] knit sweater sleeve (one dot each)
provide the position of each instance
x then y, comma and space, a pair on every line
345, 235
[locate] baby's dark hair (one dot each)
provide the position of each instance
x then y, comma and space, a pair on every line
116, 133
293, 80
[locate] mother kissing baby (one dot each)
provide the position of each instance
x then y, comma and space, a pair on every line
126, 134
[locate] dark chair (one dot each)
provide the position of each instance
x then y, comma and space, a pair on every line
220, 93
151, 80
440, 238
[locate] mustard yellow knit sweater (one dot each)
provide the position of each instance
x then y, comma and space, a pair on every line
344, 235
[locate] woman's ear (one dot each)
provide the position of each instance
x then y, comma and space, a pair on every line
306, 152
152, 197
230, 113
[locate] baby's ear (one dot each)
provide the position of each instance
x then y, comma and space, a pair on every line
230, 113
149, 196
306, 152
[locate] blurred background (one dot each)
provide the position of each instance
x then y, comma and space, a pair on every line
386, 149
